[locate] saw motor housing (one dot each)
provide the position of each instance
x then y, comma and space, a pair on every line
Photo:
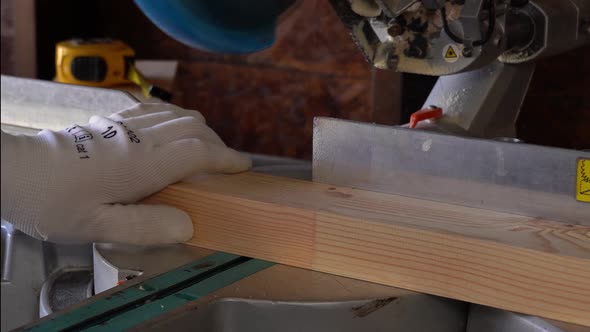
437, 37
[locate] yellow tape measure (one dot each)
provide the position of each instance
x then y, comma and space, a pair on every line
101, 63
583, 180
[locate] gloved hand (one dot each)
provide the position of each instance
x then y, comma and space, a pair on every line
77, 185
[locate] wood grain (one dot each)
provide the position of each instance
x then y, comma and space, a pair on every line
538, 267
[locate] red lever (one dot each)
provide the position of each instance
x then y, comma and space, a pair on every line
425, 114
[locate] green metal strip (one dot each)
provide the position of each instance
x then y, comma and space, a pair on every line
156, 308
136, 294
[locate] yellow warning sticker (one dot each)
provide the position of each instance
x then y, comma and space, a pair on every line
451, 53
583, 180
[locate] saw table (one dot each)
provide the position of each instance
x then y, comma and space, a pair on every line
222, 292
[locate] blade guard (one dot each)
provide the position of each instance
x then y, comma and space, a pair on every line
224, 26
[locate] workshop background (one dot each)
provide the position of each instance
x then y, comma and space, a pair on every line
265, 102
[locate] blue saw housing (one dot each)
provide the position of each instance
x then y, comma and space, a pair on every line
224, 26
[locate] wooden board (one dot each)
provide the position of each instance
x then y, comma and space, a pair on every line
538, 267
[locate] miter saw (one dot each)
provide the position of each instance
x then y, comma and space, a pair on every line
483, 52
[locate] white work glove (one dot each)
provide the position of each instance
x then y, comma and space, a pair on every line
77, 185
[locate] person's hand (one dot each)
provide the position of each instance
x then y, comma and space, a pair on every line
78, 184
